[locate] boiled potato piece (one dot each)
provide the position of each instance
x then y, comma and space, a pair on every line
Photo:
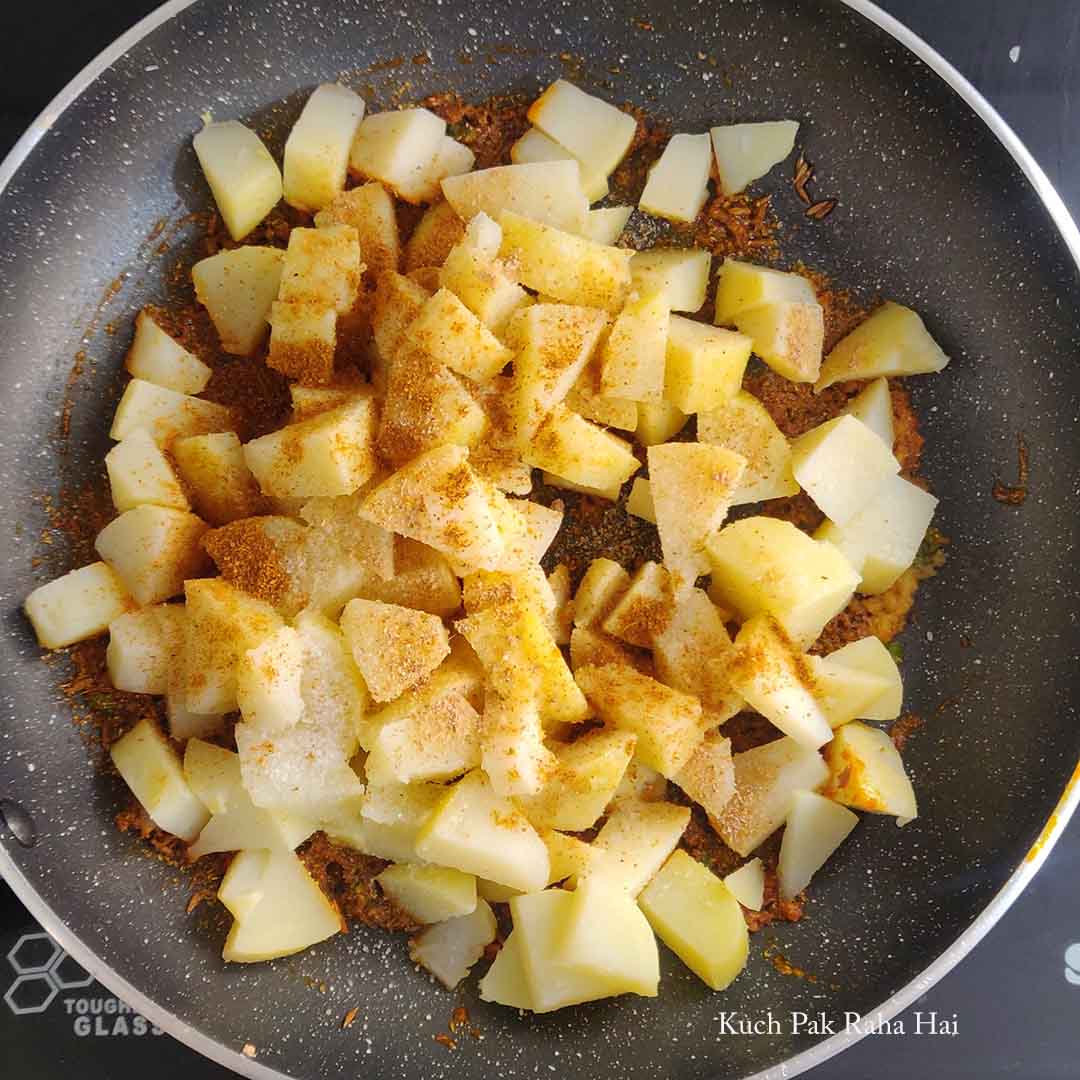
691, 486
633, 356
586, 775
893, 341
140, 473
436, 741
595, 132
269, 679
640, 501
392, 817
422, 579
610, 492
814, 829
505, 982
542, 524
154, 549
843, 466
869, 657
513, 752
644, 610
695, 916
215, 474
571, 447
745, 152
435, 235
394, 647
477, 832
222, 624
766, 565
369, 209
547, 192
151, 768
143, 646
787, 336
534, 146
243, 177
866, 772
450, 948
303, 337
766, 777
330, 454
743, 424
165, 414
640, 784
606, 224
873, 406
747, 884
586, 399
607, 938
322, 268
593, 648
742, 287
635, 840
237, 288
567, 268
709, 776
773, 675
599, 590
667, 722
398, 148
658, 421
317, 150
451, 159
682, 274
160, 359
430, 894
678, 183
569, 856
309, 401
883, 538
705, 365
277, 906
449, 332
483, 283
396, 303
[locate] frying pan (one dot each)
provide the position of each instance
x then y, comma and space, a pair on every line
940, 208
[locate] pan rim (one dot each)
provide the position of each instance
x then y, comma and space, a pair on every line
1018, 880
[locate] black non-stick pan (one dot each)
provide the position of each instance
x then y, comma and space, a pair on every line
939, 207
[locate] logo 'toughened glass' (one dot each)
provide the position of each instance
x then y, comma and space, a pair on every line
42, 969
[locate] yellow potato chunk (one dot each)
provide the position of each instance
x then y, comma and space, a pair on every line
814, 829
303, 337
787, 336
430, 894
80, 604
645, 609
435, 235
165, 414
369, 209
695, 916
221, 485
159, 359
667, 722
678, 182
547, 192
143, 646
577, 450
682, 274
705, 365
535, 146
605, 224
449, 332
635, 841
869, 657
422, 579
747, 884
450, 948
600, 589
866, 772
709, 776
658, 421
398, 148
640, 501
140, 473
633, 357
742, 286
237, 288
243, 177
322, 268
873, 406
745, 152
269, 678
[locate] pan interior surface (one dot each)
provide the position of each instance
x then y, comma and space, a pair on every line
933, 212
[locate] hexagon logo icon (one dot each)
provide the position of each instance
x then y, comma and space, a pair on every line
30, 994
33, 953
69, 974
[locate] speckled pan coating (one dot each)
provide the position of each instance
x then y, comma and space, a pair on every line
933, 213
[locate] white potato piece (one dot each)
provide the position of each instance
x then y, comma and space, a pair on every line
704, 365
535, 146
742, 286
438, 740
640, 501
678, 183
867, 773
743, 424
787, 336
683, 274
221, 485
645, 609
883, 538
317, 150
658, 421
151, 768
303, 338
599, 591
893, 341
397, 148
815, 827
243, 176
636, 840
548, 192
843, 466
160, 359
79, 605
868, 656
450, 948
143, 646
766, 778
571, 447
873, 406
747, 884
277, 906
369, 209
746, 152
393, 816
140, 473
513, 753
268, 681
632, 360
606, 224
430, 894
154, 550
165, 414
237, 288
322, 268
845, 692
447, 331
595, 132
709, 776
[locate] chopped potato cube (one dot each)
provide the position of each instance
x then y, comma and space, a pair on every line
397, 148
449, 332
869, 657
396, 304
322, 268
742, 286
600, 589
814, 829
449, 949
434, 237
634, 356
640, 501
165, 414
160, 359
747, 884
745, 152
635, 841
593, 648
787, 336
269, 679
140, 473
80, 604
866, 772
303, 337
705, 365
709, 776
221, 485
678, 182
577, 450
317, 150
606, 224
482, 282
422, 579
873, 406
369, 209
645, 609
658, 421
243, 176
143, 646
393, 816
682, 274
513, 753
534, 146
546, 192
237, 288
430, 894
696, 917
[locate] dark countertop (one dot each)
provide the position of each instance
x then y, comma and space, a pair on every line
1014, 1006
